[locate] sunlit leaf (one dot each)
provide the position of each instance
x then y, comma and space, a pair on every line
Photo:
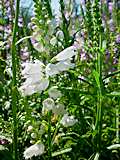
114, 146
61, 152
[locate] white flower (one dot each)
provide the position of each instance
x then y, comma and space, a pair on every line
48, 104
33, 135
60, 34
35, 78
30, 128
33, 72
54, 92
9, 71
59, 109
33, 68
34, 150
26, 90
42, 85
7, 105
65, 54
42, 129
51, 70
53, 41
68, 121
64, 65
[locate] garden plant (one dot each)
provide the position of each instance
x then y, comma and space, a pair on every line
60, 80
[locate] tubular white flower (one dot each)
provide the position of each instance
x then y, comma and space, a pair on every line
30, 128
35, 78
27, 90
68, 121
53, 41
32, 68
65, 65
48, 104
34, 150
65, 54
51, 70
33, 135
59, 109
54, 92
7, 105
42, 85
60, 34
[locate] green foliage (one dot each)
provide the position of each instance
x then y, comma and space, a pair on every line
90, 90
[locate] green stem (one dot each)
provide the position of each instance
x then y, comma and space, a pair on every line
56, 130
49, 136
100, 98
117, 124
14, 82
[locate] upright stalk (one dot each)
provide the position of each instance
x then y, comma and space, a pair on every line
49, 137
97, 39
14, 82
117, 125
99, 100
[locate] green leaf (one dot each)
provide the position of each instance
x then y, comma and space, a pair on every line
114, 146
22, 39
2, 43
2, 148
115, 93
97, 156
61, 152
96, 75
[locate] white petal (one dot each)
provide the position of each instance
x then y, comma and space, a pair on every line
33, 68
34, 150
54, 92
51, 70
48, 104
53, 41
59, 109
27, 90
68, 121
65, 65
66, 54
42, 85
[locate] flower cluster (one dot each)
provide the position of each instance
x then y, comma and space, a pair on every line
35, 79
59, 108
37, 75
49, 103
64, 61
